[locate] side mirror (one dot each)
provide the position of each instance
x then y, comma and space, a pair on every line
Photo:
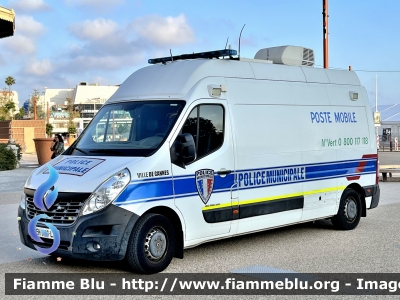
183, 150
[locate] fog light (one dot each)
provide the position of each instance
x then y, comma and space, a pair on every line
93, 246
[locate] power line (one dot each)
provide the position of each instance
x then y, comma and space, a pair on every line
380, 71
371, 71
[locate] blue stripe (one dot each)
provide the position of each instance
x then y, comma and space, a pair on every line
341, 169
332, 163
146, 190
164, 188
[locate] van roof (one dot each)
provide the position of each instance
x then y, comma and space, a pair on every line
174, 80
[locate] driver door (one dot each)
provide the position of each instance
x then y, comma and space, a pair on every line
204, 188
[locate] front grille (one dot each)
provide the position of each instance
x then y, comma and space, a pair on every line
64, 211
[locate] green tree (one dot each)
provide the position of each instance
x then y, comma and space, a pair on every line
72, 113
9, 106
20, 114
3, 101
9, 81
8, 161
49, 129
40, 109
6, 106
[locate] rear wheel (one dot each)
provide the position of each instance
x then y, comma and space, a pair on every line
349, 213
152, 244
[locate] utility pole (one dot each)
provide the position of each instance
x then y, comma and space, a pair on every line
376, 93
325, 31
376, 106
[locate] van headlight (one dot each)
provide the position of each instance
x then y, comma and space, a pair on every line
107, 192
22, 204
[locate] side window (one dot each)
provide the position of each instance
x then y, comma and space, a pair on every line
206, 124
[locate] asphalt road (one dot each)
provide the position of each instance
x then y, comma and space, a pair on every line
373, 247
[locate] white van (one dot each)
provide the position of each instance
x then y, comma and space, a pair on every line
195, 148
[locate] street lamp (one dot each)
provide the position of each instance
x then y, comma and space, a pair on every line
47, 104
377, 115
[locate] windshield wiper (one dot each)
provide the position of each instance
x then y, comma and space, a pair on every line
80, 150
105, 151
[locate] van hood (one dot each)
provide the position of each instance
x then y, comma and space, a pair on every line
80, 174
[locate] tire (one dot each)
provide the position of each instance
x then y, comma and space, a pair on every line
349, 212
151, 245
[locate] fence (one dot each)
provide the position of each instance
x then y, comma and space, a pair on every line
388, 142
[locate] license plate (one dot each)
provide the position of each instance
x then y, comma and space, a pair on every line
44, 233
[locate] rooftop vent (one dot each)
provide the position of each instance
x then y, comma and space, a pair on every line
287, 55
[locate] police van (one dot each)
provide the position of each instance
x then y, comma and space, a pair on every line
206, 146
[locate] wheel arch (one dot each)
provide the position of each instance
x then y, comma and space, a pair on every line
360, 191
176, 222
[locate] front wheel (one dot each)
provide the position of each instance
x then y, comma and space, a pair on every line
151, 245
349, 213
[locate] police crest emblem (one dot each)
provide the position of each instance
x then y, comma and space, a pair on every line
204, 183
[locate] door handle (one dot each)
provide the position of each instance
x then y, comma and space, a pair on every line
224, 172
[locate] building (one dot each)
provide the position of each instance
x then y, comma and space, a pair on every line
86, 98
7, 22
389, 128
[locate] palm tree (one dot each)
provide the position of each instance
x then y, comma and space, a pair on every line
9, 81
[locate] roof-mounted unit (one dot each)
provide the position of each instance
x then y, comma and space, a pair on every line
287, 55
83, 83
208, 55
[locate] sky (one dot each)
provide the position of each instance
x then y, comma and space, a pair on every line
59, 43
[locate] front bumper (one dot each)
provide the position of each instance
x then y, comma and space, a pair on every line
110, 228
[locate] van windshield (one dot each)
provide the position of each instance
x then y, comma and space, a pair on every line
128, 129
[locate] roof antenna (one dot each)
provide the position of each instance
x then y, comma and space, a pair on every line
223, 57
239, 40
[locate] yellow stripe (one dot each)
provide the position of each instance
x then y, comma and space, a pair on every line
265, 199
270, 198
339, 188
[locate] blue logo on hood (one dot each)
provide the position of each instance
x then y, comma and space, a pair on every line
44, 197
